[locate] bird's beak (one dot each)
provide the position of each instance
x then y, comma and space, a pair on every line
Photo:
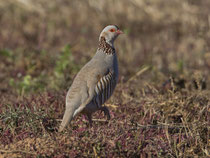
119, 32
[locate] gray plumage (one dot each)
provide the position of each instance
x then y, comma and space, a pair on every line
96, 81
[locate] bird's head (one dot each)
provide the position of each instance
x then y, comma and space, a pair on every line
110, 33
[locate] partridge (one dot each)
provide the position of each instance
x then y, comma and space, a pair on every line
96, 81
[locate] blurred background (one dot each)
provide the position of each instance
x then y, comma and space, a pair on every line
44, 43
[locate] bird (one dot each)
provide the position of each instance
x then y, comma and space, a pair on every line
95, 82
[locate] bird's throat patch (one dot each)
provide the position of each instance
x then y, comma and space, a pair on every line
105, 47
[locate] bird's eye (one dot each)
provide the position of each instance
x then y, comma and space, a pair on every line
112, 30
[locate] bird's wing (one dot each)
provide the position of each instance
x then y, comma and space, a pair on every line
99, 91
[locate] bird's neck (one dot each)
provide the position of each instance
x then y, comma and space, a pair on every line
105, 46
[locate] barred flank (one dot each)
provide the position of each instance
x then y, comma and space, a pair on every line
104, 89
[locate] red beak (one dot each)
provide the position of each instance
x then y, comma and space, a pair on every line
119, 32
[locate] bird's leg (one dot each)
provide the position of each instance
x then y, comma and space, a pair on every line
106, 112
89, 116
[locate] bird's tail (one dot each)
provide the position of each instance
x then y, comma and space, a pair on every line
67, 117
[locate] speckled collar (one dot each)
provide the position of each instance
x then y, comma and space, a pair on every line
105, 47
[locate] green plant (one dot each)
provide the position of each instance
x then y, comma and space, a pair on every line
27, 84
64, 66
180, 66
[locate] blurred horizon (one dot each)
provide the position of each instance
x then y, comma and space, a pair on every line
170, 37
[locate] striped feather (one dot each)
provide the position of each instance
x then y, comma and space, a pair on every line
104, 89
